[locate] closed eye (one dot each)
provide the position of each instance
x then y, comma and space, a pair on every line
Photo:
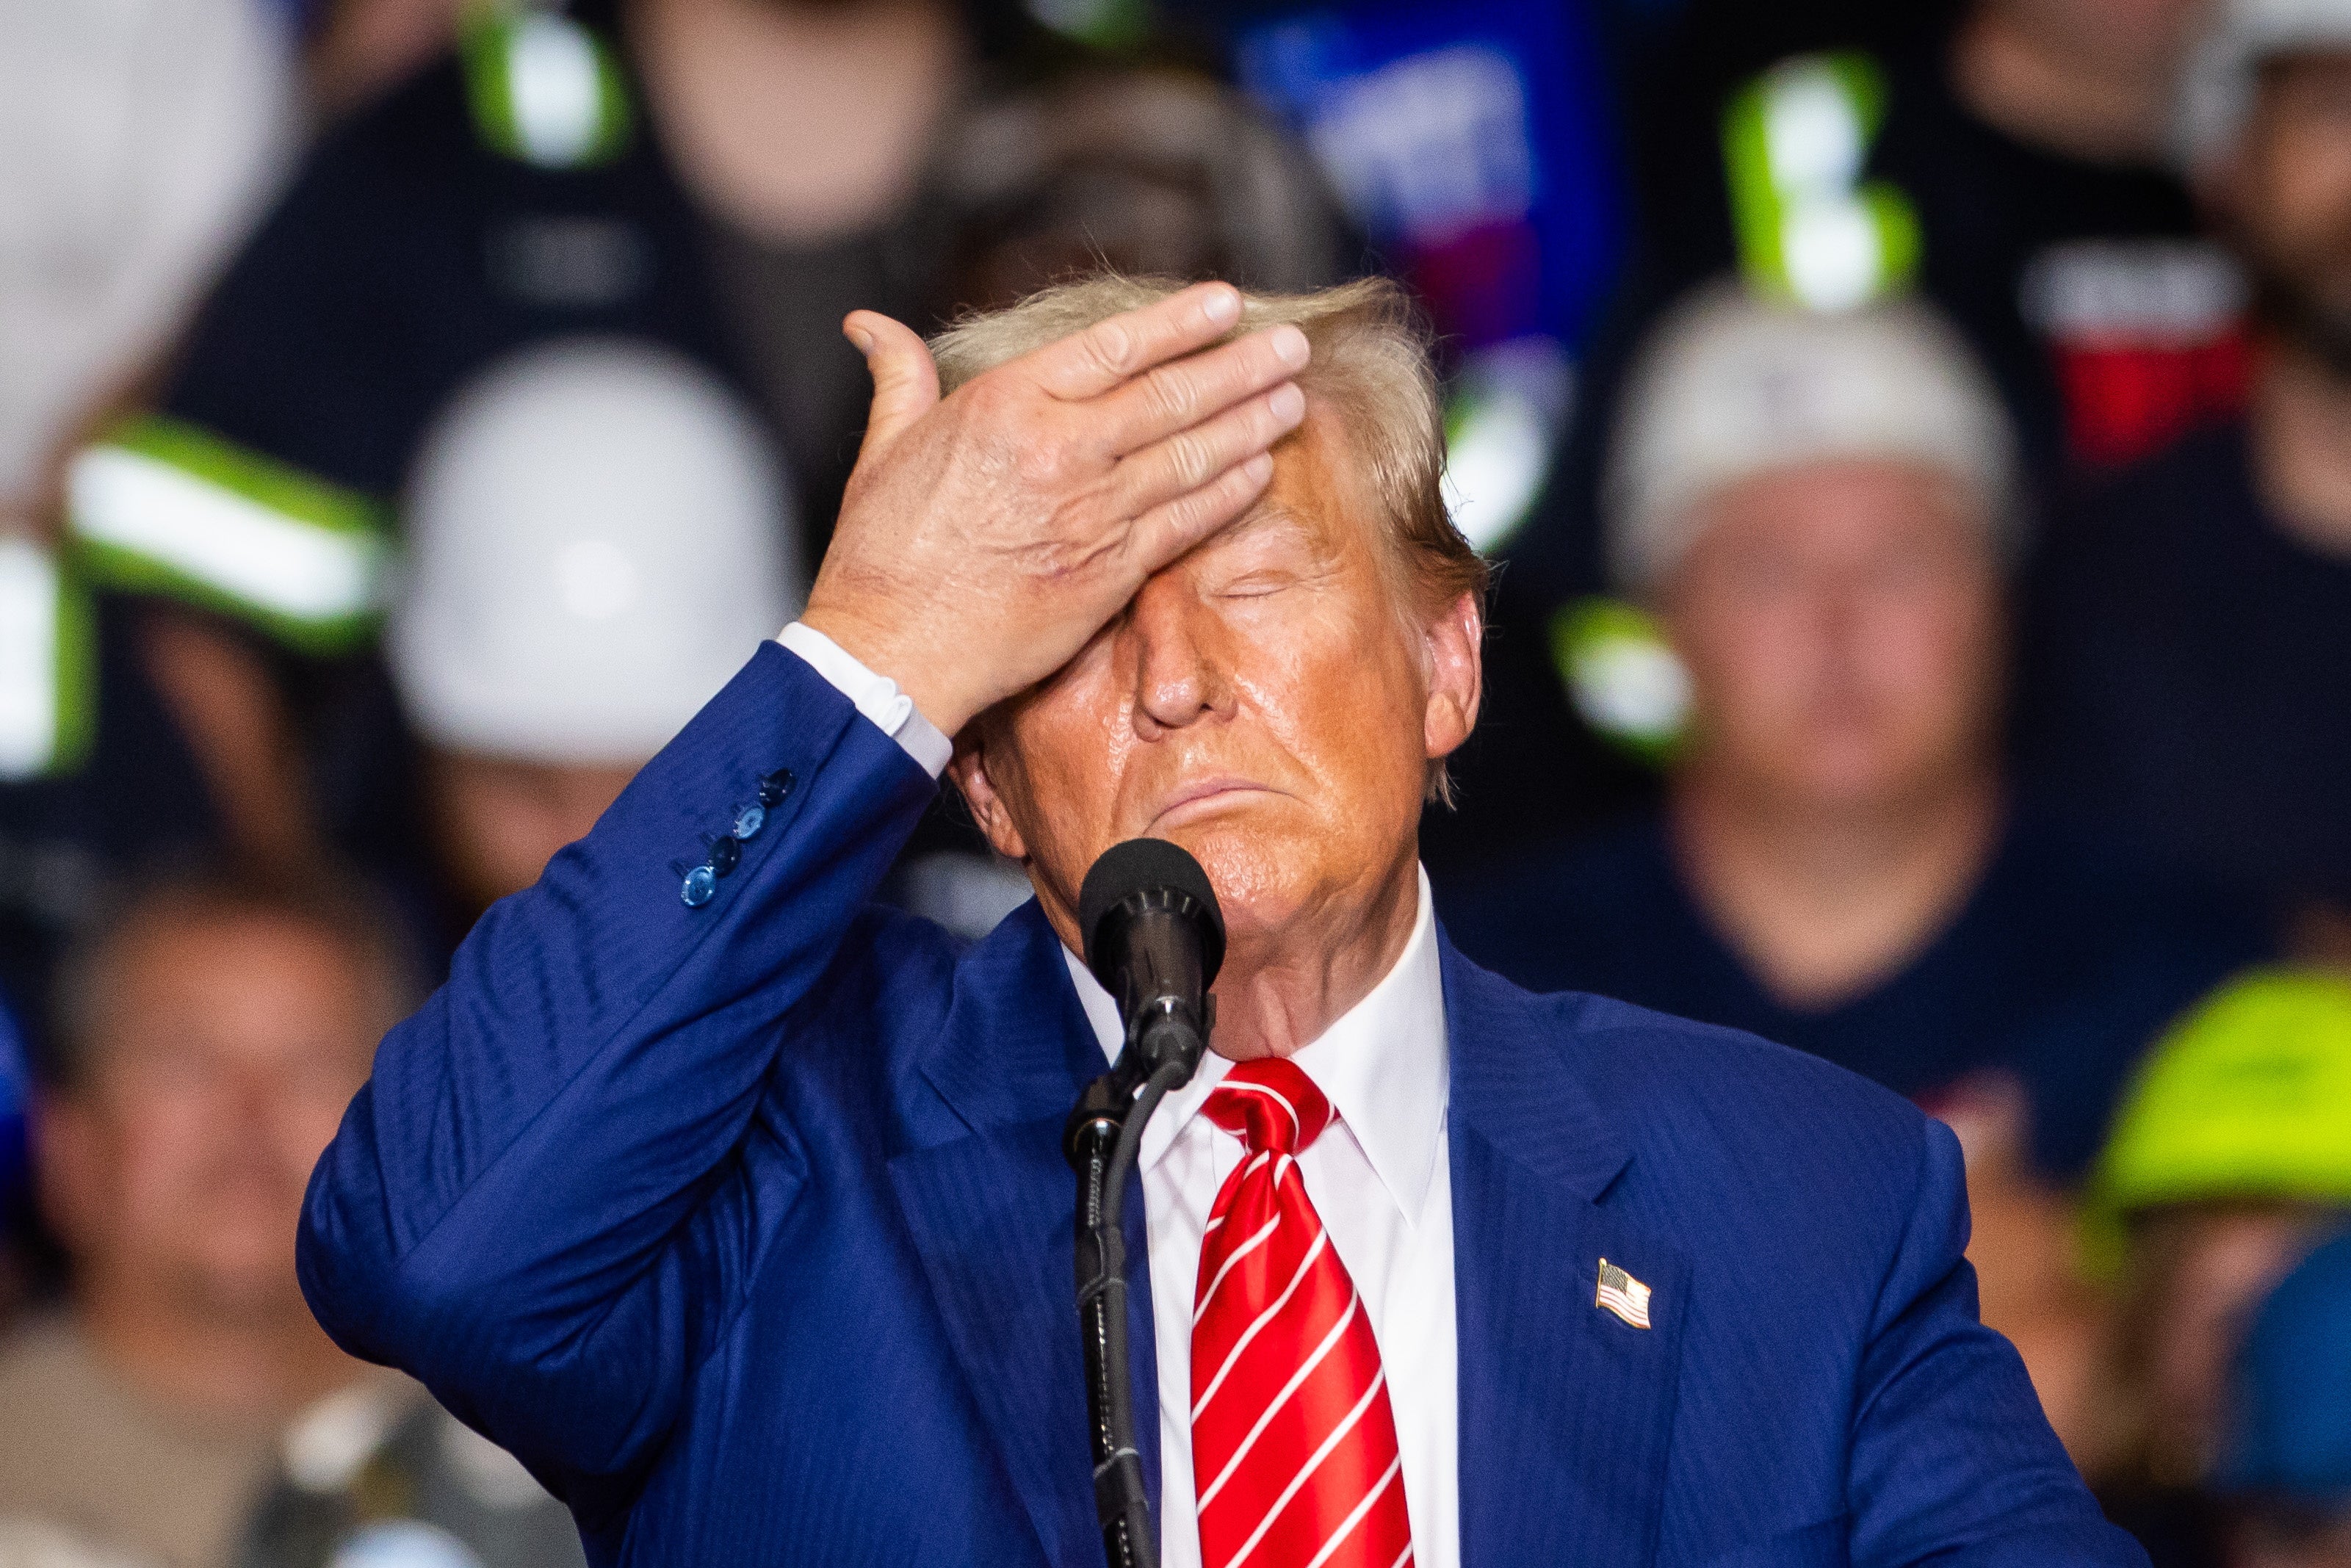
1256, 585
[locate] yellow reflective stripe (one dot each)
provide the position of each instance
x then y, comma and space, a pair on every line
211, 533
1622, 675
48, 671
1795, 141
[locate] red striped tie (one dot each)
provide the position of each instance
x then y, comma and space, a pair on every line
1293, 1448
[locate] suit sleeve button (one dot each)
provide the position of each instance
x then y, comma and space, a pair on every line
775, 787
701, 883
726, 855
749, 821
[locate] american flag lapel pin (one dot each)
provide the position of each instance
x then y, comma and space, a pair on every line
1622, 1294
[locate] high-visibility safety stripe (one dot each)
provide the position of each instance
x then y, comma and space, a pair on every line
1622, 676
1502, 424
48, 670
1810, 230
545, 89
161, 507
1103, 24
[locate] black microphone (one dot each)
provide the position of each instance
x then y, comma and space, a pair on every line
1154, 938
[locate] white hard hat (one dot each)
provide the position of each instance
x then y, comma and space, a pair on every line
1730, 385
2217, 88
598, 536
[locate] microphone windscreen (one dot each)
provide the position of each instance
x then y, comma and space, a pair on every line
1143, 865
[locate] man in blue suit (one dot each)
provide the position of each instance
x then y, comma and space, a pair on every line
734, 1205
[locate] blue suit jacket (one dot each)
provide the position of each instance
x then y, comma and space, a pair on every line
748, 1228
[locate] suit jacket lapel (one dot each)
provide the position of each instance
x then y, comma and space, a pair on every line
1565, 1409
991, 1207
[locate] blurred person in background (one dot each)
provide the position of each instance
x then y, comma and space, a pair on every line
212, 1031
596, 529
2012, 156
2231, 1159
139, 138
723, 177
1150, 173
2007, 158
2285, 1478
2190, 665
1822, 509
212, 1034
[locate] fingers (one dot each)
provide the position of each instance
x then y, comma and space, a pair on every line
1182, 462
1178, 396
1167, 531
1092, 362
905, 382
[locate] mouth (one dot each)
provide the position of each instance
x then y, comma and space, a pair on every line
1205, 797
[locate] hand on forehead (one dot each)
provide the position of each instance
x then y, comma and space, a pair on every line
986, 537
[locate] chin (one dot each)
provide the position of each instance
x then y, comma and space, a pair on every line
1265, 874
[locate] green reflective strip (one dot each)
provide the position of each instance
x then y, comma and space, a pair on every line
1105, 24
264, 480
1809, 228
545, 89
163, 507
1502, 424
77, 675
1622, 676
49, 665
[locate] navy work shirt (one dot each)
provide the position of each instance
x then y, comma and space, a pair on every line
2189, 672
2063, 965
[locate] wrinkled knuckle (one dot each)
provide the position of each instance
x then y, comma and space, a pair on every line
1183, 514
1187, 460
1111, 348
1173, 397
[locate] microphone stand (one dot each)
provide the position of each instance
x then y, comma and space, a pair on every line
1103, 1133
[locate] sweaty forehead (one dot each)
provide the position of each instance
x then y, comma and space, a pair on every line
1312, 495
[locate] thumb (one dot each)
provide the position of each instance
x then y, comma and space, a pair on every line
905, 382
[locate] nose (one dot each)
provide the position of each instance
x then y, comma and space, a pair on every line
1176, 648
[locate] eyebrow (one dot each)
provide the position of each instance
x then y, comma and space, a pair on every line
1259, 521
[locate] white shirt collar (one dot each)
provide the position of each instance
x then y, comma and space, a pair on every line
1383, 1064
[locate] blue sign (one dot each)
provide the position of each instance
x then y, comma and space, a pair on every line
1471, 141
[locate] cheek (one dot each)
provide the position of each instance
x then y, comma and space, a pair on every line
1750, 660
1932, 650
160, 1149
1340, 691
2305, 185
1065, 755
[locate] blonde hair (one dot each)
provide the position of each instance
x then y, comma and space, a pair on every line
1371, 366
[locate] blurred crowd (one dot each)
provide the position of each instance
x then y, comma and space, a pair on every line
1916, 442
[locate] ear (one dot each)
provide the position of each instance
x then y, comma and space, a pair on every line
68, 1165
969, 770
1454, 647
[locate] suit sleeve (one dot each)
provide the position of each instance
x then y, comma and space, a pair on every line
1952, 1461
547, 1201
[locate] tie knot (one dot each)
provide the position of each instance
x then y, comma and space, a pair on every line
1270, 1103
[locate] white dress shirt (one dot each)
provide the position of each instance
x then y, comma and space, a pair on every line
1378, 1177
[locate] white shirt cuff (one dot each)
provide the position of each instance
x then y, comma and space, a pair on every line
876, 696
